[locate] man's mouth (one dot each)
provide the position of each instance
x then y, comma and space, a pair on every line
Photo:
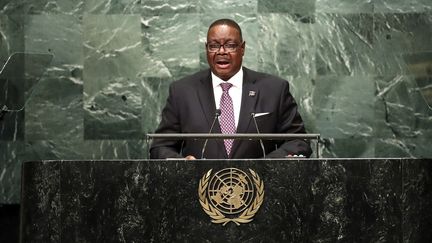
222, 64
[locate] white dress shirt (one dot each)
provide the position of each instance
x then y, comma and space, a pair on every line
235, 91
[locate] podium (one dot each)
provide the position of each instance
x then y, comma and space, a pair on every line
305, 200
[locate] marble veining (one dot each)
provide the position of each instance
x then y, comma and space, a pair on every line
360, 71
328, 200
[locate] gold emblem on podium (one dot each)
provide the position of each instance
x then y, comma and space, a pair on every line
231, 195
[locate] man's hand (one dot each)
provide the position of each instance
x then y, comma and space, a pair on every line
294, 155
190, 157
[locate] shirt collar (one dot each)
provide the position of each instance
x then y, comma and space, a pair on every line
236, 80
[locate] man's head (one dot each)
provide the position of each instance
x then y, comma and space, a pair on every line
226, 60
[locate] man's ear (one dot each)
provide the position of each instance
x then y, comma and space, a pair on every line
243, 47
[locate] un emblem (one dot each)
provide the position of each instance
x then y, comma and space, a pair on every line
231, 195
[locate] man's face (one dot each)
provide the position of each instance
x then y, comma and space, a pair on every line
223, 63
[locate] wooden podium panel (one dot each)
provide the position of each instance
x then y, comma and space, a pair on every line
307, 200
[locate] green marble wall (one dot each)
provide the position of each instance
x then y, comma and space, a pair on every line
360, 70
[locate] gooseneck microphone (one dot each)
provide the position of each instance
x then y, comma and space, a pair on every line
217, 114
258, 132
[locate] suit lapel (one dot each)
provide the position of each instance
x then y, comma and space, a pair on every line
249, 98
206, 98
207, 101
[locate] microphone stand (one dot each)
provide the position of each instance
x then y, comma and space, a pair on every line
260, 140
217, 114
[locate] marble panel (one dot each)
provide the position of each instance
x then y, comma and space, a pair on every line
115, 112
299, 7
57, 96
111, 7
401, 6
361, 147
358, 203
227, 6
303, 89
11, 35
12, 89
401, 111
373, 205
12, 7
398, 35
360, 71
344, 44
425, 89
12, 119
91, 149
403, 147
305, 201
344, 106
12, 104
285, 46
156, 7
4, 43
10, 171
419, 65
130, 204
42, 7
47, 211
344, 6
417, 201
420, 68
155, 92
112, 63
56, 114
171, 40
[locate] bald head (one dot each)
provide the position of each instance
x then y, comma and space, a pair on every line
228, 22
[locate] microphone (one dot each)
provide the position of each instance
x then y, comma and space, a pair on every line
258, 132
217, 114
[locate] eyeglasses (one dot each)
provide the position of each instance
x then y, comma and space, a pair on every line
228, 47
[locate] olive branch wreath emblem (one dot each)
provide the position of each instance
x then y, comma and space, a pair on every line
217, 216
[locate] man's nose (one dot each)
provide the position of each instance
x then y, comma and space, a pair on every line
221, 50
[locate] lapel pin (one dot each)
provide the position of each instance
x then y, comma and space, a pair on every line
252, 93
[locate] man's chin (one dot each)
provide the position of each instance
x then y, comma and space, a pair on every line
224, 75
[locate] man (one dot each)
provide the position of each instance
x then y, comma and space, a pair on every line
236, 93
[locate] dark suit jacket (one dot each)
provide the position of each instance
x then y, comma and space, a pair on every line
191, 108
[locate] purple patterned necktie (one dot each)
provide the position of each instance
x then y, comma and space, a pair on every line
227, 120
